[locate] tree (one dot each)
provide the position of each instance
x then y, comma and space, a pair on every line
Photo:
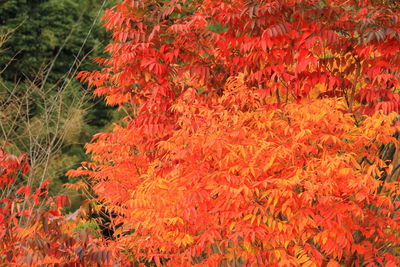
45, 30
44, 111
230, 155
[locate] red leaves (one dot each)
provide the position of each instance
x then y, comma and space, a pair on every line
54, 212
276, 30
101, 257
26, 190
10, 166
303, 60
62, 201
375, 35
247, 167
235, 173
32, 228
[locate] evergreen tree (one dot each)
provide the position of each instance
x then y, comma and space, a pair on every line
44, 110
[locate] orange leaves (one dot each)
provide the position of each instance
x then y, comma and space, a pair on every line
289, 53
248, 141
32, 228
184, 240
262, 180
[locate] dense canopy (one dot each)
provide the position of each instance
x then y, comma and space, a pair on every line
230, 155
257, 133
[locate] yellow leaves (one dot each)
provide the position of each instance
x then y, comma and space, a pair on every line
302, 257
276, 225
248, 217
274, 178
77, 186
277, 254
163, 186
374, 171
273, 199
234, 169
174, 221
253, 219
324, 239
288, 130
241, 190
316, 90
379, 127
249, 247
345, 171
321, 238
303, 133
166, 145
270, 162
184, 240
280, 226
137, 203
354, 162
25, 232
309, 263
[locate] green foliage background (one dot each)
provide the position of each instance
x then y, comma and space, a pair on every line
47, 43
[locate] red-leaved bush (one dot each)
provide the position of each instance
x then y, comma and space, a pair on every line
231, 155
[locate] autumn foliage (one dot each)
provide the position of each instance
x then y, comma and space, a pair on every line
232, 156
240, 182
259, 133
33, 231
